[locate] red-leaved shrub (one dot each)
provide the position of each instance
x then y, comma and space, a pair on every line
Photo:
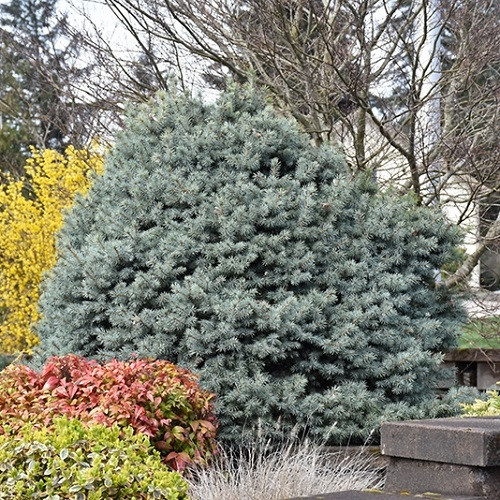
156, 398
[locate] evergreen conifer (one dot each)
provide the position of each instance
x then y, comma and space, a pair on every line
220, 239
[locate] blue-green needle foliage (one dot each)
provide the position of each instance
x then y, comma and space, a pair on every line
220, 239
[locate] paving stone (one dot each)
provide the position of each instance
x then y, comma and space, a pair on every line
366, 495
464, 441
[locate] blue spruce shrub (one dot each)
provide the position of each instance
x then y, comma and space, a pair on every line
220, 239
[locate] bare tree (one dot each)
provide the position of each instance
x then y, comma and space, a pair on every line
409, 89
129, 63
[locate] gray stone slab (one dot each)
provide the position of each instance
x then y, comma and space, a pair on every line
447, 376
364, 495
466, 441
417, 476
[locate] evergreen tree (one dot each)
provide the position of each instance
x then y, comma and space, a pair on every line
220, 239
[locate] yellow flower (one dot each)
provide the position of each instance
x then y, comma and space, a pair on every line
31, 213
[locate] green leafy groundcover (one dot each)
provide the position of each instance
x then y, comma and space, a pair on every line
489, 407
78, 462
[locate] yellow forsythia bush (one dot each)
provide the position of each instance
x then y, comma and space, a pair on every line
31, 212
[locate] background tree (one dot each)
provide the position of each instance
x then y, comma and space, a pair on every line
219, 238
39, 74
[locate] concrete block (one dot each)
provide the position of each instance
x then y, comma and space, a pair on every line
461, 441
488, 374
418, 476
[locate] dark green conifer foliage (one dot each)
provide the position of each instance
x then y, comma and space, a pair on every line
220, 239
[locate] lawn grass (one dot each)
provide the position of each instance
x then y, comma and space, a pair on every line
481, 333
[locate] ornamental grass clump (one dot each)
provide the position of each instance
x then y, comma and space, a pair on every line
288, 470
71, 460
221, 239
155, 398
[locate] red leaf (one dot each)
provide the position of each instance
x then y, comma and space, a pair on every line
208, 425
161, 445
61, 391
181, 460
51, 383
